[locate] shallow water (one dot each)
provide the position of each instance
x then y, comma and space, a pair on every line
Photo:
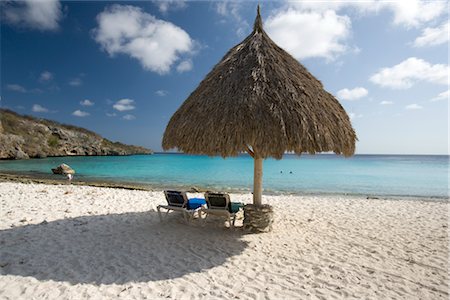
393, 175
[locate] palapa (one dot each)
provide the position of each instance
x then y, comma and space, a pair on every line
260, 99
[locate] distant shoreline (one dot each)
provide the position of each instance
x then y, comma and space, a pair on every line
42, 178
56, 156
242, 154
36, 177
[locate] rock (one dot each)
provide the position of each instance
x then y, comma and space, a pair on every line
9, 144
63, 169
21, 155
24, 137
258, 218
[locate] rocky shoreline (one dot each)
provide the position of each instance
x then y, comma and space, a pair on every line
23, 137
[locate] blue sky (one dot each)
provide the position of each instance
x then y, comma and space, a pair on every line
121, 69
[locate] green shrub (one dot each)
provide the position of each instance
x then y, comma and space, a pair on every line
53, 141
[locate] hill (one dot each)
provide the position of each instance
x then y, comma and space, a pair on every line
28, 137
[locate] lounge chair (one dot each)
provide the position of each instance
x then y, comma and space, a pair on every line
219, 204
177, 201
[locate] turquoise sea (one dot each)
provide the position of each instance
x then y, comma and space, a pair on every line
384, 175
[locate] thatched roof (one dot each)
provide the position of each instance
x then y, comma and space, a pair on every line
260, 96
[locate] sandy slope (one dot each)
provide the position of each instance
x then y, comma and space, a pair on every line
77, 242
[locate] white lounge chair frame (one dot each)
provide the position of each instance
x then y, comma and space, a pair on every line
220, 211
188, 215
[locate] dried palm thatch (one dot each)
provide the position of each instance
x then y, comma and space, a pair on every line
260, 99
260, 96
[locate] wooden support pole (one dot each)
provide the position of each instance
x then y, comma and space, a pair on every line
249, 151
257, 181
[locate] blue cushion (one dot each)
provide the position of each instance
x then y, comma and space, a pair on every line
235, 206
195, 203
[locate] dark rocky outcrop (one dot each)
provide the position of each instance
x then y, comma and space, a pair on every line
24, 137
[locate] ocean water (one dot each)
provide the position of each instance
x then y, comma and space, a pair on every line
389, 175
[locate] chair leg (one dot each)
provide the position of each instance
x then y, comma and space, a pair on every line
158, 208
234, 219
185, 216
204, 219
191, 216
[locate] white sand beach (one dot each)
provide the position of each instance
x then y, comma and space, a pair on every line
81, 242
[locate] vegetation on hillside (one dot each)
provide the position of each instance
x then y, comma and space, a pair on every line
24, 136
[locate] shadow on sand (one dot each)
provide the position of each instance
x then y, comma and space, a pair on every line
117, 248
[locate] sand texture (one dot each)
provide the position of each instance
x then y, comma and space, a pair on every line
80, 242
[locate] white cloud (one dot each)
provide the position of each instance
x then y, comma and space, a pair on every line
231, 11
184, 66
75, 82
353, 116
161, 93
45, 76
156, 44
386, 102
306, 34
111, 114
16, 88
433, 36
442, 96
80, 113
124, 105
322, 28
408, 13
37, 91
353, 94
86, 102
413, 107
128, 117
367, 5
413, 13
165, 5
410, 71
40, 15
39, 108
52, 88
